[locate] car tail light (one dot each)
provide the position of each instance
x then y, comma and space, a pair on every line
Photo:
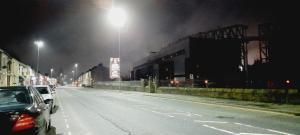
25, 121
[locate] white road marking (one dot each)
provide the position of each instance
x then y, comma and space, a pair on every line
66, 120
197, 114
224, 106
163, 114
220, 122
246, 125
275, 131
157, 112
271, 130
253, 134
222, 130
69, 133
184, 114
67, 125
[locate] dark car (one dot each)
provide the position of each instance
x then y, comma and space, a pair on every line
23, 112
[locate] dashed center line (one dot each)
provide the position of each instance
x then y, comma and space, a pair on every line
219, 122
246, 125
222, 130
67, 125
69, 133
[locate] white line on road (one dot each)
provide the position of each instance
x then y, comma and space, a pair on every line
246, 125
271, 130
185, 114
163, 114
253, 134
224, 106
69, 133
67, 125
66, 120
222, 130
219, 122
197, 114
279, 132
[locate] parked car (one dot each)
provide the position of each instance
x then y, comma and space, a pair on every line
53, 87
23, 111
47, 94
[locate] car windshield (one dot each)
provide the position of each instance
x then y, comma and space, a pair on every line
13, 96
42, 90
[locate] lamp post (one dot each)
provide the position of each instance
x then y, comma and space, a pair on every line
73, 74
39, 44
51, 71
118, 18
76, 66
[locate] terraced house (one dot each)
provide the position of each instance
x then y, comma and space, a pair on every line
14, 72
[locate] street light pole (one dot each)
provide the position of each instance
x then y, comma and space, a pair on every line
51, 72
119, 42
76, 66
73, 74
118, 18
39, 44
38, 57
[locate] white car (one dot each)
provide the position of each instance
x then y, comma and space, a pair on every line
48, 94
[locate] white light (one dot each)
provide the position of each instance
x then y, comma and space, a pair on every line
117, 17
76, 65
39, 43
52, 69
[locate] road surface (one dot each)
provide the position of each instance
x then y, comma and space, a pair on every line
85, 111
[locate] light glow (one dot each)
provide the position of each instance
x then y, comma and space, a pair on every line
117, 17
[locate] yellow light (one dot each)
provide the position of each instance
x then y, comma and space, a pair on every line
206, 81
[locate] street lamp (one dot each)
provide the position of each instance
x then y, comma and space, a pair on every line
51, 71
118, 18
76, 66
73, 73
39, 44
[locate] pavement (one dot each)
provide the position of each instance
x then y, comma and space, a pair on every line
86, 111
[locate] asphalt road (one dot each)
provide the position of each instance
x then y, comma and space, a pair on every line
84, 111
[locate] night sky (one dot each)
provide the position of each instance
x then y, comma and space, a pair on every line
78, 30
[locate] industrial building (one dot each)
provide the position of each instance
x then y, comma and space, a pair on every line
197, 58
219, 58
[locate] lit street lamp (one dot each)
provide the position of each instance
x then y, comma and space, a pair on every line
39, 44
76, 66
118, 18
51, 71
73, 73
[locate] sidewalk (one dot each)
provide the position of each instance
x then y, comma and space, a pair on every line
285, 109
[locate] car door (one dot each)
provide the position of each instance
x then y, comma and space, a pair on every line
53, 93
44, 113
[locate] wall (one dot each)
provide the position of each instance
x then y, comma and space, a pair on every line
291, 96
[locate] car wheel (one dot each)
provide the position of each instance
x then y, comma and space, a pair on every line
49, 125
51, 108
